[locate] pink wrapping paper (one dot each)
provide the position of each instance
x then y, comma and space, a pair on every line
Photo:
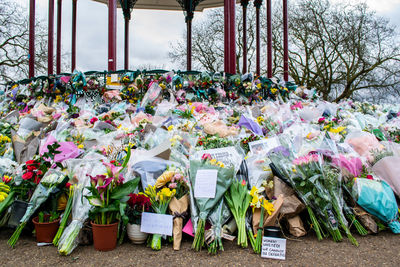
364, 144
68, 149
388, 169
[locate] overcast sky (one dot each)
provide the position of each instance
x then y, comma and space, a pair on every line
151, 31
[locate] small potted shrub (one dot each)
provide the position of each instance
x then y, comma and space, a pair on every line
137, 204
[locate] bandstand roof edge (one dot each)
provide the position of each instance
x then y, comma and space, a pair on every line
171, 5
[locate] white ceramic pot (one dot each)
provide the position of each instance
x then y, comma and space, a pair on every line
134, 234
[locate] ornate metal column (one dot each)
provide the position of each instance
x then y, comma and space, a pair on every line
127, 6
59, 16
73, 45
188, 7
257, 4
112, 35
50, 42
230, 41
285, 42
244, 4
269, 39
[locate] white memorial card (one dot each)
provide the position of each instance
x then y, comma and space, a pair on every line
154, 223
206, 183
264, 145
273, 248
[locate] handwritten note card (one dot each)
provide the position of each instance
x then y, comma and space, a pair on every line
154, 223
206, 183
273, 248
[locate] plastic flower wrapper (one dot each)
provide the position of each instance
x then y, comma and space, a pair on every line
213, 236
307, 179
364, 144
160, 200
176, 179
205, 205
377, 198
49, 184
80, 205
388, 169
332, 182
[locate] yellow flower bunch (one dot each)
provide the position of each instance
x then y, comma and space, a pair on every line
170, 128
165, 194
258, 200
58, 99
260, 119
339, 129
217, 163
175, 139
4, 139
274, 90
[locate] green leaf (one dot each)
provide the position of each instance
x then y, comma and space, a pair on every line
95, 201
125, 189
128, 156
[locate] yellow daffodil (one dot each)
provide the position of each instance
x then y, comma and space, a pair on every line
268, 206
81, 146
213, 161
170, 128
337, 130
260, 119
274, 90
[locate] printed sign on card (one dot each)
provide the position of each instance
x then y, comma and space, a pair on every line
206, 183
264, 145
154, 223
273, 248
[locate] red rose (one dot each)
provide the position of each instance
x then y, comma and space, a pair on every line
29, 162
370, 177
31, 167
27, 175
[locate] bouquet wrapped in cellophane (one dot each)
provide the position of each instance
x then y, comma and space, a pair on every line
80, 205
176, 179
225, 176
315, 186
159, 200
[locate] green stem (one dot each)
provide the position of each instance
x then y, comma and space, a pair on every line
198, 241
14, 238
315, 223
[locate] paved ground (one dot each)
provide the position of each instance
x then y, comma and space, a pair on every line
379, 250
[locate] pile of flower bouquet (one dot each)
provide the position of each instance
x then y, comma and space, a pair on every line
222, 158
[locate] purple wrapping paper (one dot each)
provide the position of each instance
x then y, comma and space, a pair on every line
250, 124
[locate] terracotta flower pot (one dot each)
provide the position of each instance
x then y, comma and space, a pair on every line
135, 235
105, 236
46, 231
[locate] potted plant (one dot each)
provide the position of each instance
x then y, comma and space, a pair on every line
32, 172
46, 226
137, 204
108, 195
